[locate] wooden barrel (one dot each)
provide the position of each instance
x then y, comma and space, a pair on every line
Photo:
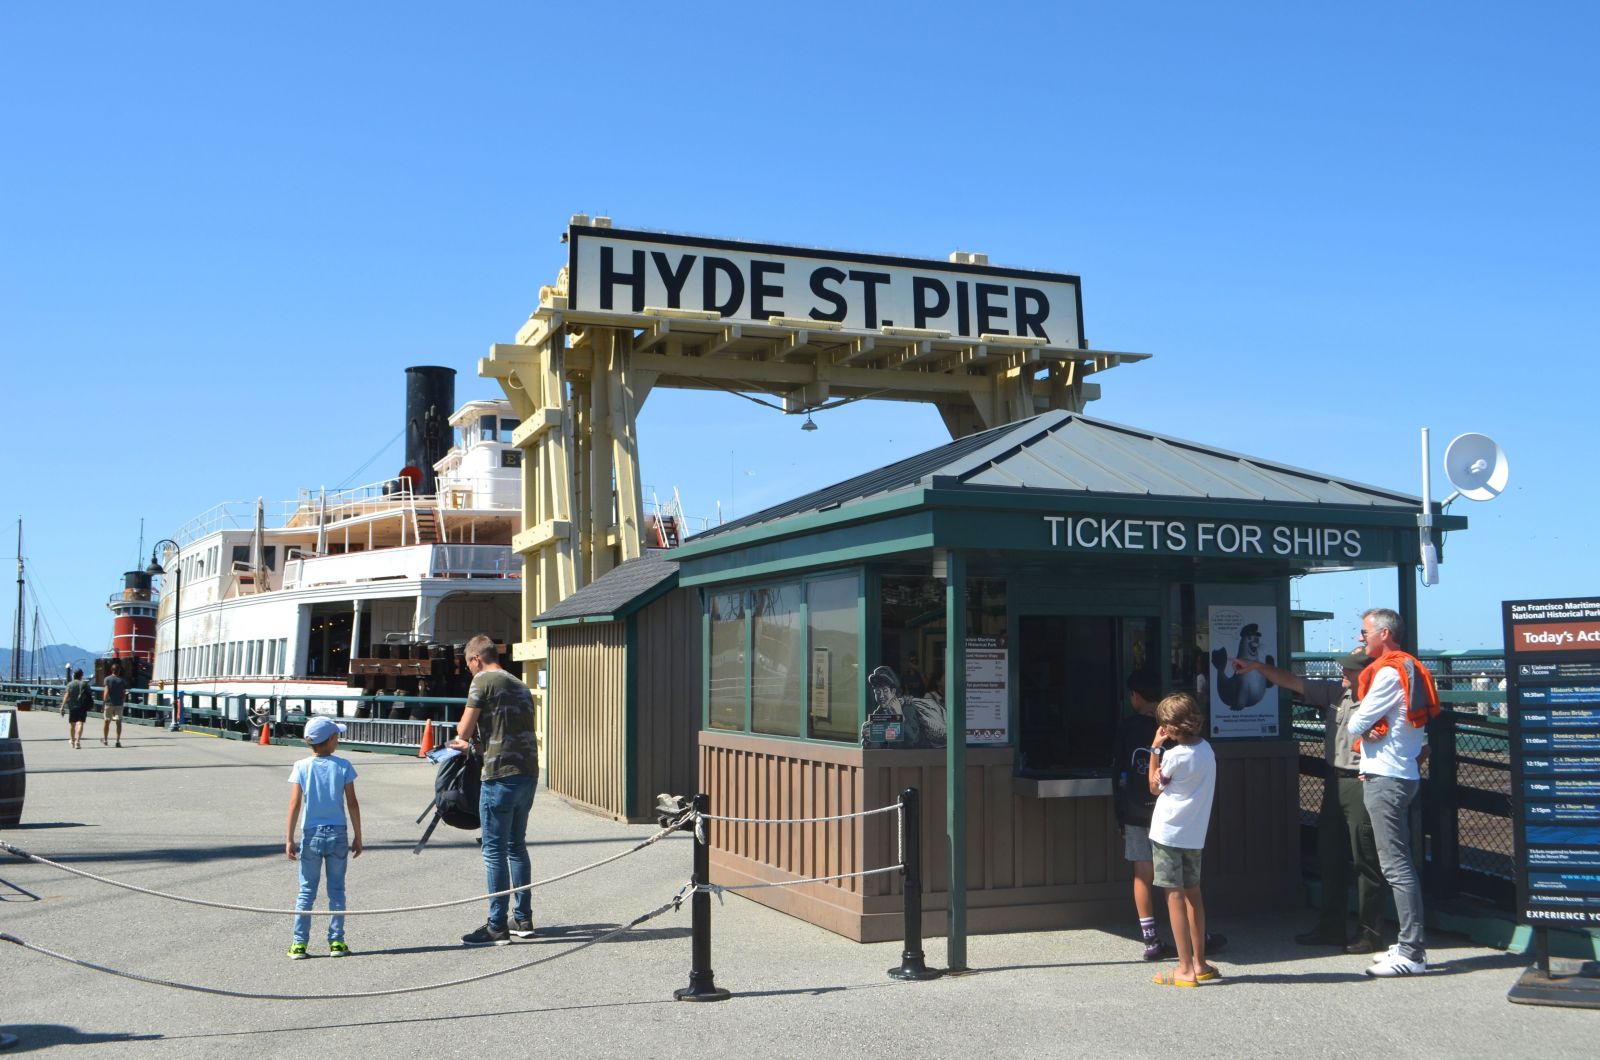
13, 772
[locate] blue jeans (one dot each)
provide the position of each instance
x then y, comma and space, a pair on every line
324, 845
1388, 802
503, 806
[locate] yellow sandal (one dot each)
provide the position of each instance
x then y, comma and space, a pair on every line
1171, 979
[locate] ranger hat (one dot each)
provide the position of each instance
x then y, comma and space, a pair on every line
319, 729
1356, 660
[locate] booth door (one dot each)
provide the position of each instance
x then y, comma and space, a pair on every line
1072, 681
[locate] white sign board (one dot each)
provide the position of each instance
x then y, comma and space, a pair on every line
1242, 704
611, 270
988, 706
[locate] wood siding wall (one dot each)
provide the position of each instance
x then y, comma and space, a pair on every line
588, 747
1031, 863
667, 675
587, 701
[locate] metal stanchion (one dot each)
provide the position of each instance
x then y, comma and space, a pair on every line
912, 965
702, 984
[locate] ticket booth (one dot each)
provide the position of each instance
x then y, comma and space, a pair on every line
1069, 552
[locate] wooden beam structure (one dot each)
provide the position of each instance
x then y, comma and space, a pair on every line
578, 377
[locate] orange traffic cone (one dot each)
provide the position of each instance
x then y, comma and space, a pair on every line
266, 733
427, 739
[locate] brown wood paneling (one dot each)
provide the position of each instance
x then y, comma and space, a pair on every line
585, 756
667, 699
1032, 863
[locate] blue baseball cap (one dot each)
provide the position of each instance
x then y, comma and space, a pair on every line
319, 729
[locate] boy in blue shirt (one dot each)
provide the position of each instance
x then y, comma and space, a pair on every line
324, 787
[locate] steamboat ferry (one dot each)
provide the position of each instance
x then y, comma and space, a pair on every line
373, 588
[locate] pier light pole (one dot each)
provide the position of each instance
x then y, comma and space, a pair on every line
177, 619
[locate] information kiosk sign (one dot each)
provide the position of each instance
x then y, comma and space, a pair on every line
1553, 705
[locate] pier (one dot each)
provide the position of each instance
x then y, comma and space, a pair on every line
197, 816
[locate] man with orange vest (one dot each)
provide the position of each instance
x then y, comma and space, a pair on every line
1397, 700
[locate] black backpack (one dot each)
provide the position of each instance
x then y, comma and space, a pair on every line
455, 796
86, 696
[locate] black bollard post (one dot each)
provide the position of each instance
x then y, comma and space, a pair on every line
912, 965
702, 984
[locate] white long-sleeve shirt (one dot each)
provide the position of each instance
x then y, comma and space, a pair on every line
1396, 754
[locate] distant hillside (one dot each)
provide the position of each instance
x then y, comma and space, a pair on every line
52, 662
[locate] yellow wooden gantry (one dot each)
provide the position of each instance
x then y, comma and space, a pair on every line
579, 377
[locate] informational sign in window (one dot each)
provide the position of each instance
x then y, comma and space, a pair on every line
1553, 706
1242, 704
988, 701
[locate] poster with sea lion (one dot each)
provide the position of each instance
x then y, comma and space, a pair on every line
1242, 704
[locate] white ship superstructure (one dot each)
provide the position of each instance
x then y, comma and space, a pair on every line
277, 599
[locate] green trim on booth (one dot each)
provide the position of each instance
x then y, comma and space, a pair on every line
630, 714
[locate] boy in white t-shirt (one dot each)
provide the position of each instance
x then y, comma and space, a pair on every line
1183, 777
324, 788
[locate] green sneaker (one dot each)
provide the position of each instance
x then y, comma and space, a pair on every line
297, 952
338, 949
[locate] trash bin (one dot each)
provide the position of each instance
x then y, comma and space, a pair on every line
13, 771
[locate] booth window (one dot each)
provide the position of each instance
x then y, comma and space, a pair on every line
776, 667
834, 636
726, 685
912, 624
785, 659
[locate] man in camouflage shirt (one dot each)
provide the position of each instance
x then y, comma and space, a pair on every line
498, 724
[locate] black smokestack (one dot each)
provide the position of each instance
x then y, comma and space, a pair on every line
430, 399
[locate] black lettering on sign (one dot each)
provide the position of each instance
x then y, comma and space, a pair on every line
610, 277
710, 269
673, 279
760, 291
825, 275
870, 282
988, 313
926, 307
963, 313
1032, 310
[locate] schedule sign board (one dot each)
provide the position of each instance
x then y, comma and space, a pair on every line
1553, 705
624, 272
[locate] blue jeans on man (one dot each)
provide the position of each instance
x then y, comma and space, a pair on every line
503, 806
1388, 802
326, 846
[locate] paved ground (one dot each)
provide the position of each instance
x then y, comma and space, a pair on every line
204, 817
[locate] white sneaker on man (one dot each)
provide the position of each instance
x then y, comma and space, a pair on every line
1395, 966
1392, 951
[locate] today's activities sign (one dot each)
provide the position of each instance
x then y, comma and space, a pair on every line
1553, 706
612, 270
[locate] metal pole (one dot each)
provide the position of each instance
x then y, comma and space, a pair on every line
912, 964
955, 686
177, 653
702, 983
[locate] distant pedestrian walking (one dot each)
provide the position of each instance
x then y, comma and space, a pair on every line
114, 697
75, 703
324, 788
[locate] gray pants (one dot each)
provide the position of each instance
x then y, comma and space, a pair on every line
1388, 802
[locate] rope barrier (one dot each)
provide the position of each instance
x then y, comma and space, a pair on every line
25, 855
891, 808
197, 988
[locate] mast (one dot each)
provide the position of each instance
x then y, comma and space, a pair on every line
16, 643
33, 649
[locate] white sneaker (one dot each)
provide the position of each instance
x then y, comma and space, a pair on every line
1392, 951
1396, 966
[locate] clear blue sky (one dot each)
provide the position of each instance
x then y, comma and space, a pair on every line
227, 228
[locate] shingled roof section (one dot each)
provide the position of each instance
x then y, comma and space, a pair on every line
620, 591
1070, 453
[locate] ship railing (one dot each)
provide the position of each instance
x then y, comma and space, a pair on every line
410, 561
